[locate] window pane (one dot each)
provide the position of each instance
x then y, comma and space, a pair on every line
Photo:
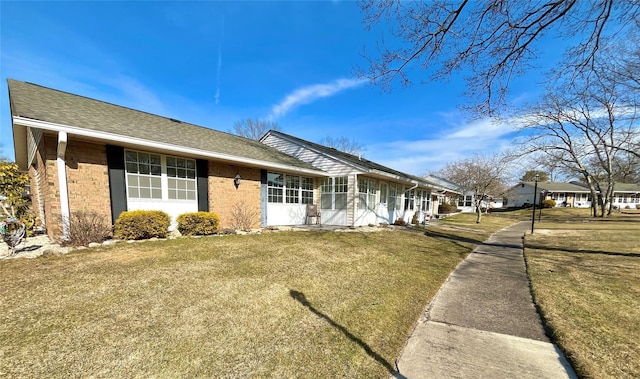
341, 201
145, 181
172, 194
171, 162
133, 192
191, 174
131, 156
132, 167
325, 201
145, 193
156, 183
182, 173
154, 159
191, 195
191, 185
171, 172
156, 193
181, 163
143, 158
133, 180
191, 164
144, 169
156, 170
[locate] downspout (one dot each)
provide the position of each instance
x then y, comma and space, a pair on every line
62, 183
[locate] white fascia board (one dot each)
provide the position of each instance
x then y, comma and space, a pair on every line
111, 137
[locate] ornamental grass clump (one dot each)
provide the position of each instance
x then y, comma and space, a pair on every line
137, 225
198, 223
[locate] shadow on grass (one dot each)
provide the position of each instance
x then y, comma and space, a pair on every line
566, 250
452, 237
302, 299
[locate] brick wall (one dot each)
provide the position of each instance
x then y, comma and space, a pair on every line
223, 196
88, 178
88, 184
87, 181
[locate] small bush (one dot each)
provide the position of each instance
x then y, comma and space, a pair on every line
549, 203
87, 227
243, 217
137, 225
447, 208
414, 219
400, 221
198, 223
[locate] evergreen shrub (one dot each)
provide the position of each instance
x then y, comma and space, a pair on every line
137, 225
198, 223
447, 208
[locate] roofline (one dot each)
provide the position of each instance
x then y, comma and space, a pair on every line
72, 130
297, 141
365, 170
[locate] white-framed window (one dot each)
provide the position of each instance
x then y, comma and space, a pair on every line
425, 201
366, 193
558, 196
383, 193
293, 189
465, 201
393, 194
583, 197
289, 189
181, 182
152, 176
144, 175
306, 188
410, 200
275, 187
333, 193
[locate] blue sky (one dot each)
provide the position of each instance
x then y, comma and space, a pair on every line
215, 63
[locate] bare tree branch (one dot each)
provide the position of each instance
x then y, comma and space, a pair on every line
254, 129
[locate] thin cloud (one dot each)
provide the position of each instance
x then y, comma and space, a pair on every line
219, 67
309, 94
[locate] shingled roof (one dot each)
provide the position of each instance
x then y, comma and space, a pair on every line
61, 110
351, 159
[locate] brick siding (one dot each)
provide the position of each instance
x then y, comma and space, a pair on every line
223, 196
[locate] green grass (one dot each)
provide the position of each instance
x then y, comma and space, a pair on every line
290, 304
585, 275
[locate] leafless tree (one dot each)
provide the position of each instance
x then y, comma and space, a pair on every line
482, 175
343, 144
493, 41
254, 129
530, 176
583, 130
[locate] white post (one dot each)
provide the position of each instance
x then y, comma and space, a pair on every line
62, 183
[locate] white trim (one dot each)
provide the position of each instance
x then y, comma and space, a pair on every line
62, 183
143, 143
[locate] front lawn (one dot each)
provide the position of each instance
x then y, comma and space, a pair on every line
288, 304
585, 274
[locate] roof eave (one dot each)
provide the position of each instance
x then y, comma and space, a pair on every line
111, 137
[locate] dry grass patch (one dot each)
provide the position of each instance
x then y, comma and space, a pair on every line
585, 280
295, 304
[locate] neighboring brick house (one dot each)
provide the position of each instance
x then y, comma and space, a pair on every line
87, 155
358, 191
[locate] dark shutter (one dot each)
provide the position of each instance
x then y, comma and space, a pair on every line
202, 168
117, 186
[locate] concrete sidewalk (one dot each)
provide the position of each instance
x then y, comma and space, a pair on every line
483, 323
